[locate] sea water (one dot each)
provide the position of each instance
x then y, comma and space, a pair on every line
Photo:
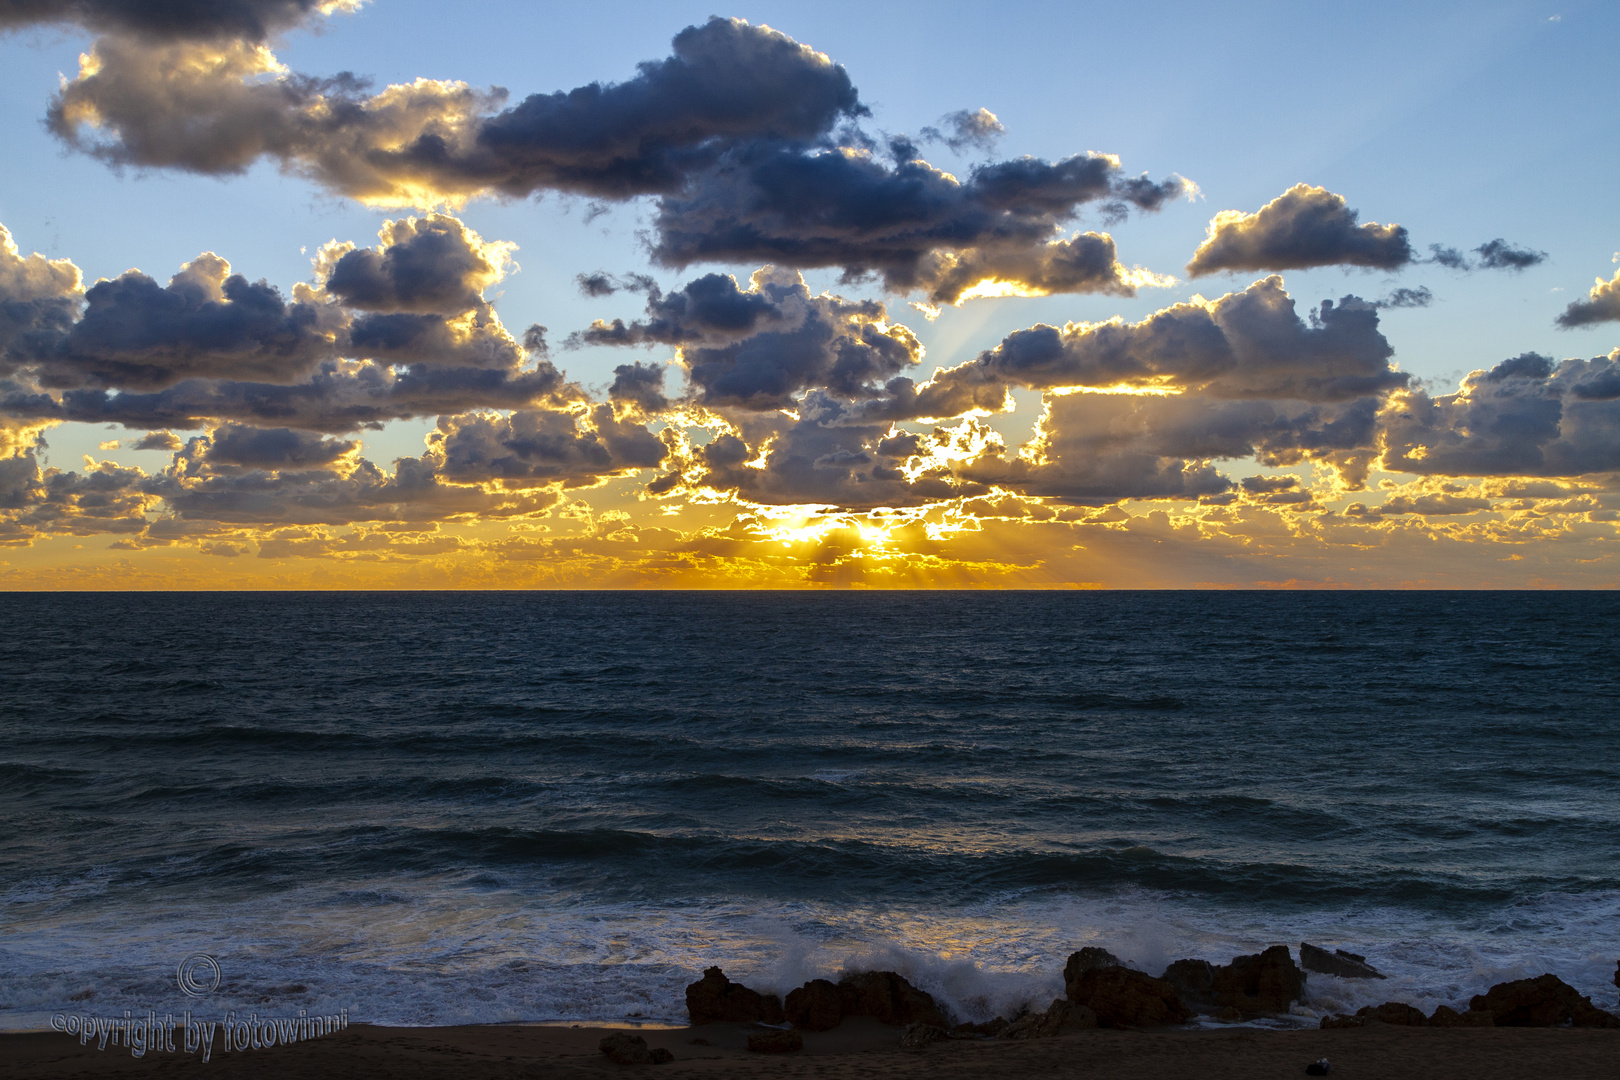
448, 808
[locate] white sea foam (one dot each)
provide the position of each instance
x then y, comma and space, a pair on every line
423, 954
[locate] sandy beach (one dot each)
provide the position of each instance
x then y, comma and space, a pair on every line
861, 1049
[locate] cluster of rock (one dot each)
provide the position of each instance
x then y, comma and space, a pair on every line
622, 1048
1545, 1001
1100, 991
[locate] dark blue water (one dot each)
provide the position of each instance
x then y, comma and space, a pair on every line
444, 807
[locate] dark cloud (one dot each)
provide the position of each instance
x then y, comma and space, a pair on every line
1602, 304
1498, 254
978, 128
206, 323
253, 20
1249, 344
757, 348
544, 446
597, 284
429, 265
1419, 297
39, 299
1525, 417
641, 385
429, 141
1495, 254
917, 227
1303, 227
158, 440
275, 448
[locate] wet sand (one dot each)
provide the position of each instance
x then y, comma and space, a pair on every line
860, 1049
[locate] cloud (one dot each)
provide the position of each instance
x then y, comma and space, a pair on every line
429, 265
1602, 304
253, 20
1303, 227
206, 323
39, 298
1498, 254
1248, 344
1495, 254
757, 348
1419, 297
979, 129
915, 226
158, 440
540, 446
1527, 416
216, 107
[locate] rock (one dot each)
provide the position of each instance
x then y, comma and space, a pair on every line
1340, 1021
715, 999
887, 998
1061, 1017
987, 1030
661, 1056
776, 1042
698, 1042
1228, 1015
1124, 998
1446, 1016
918, 1036
1262, 984
622, 1048
1088, 959
1346, 965
1617, 973
815, 1006
1394, 1012
1319, 1067
1193, 980
1545, 1001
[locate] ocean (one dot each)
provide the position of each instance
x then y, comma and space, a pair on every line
441, 808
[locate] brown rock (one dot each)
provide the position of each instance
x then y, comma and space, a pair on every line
776, 1042
815, 1006
1193, 980
1346, 965
1061, 1016
1258, 985
1340, 1021
1227, 1015
1124, 998
987, 1030
715, 998
1394, 1012
918, 1036
888, 998
622, 1048
1088, 959
1545, 1001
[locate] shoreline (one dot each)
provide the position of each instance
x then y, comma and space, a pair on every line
859, 1048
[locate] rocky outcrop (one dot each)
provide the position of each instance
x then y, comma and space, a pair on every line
1545, 1001
887, 998
776, 1042
716, 999
1088, 959
815, 1006
1346, 965
1061, 1017
1265, 983
622, 1048
1257, 985
1446, 1016
1339, 1021
1124, 998
1393, 1012
918, 1036
987, 1030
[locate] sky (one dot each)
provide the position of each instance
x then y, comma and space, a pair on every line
302, 294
